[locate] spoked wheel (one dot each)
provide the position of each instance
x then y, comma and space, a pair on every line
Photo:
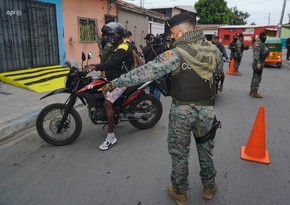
147, 111
48, 122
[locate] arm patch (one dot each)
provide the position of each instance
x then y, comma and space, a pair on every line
167, 55
123, 46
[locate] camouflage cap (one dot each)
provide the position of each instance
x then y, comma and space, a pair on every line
179, 19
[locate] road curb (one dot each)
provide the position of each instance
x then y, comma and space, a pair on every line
10, 128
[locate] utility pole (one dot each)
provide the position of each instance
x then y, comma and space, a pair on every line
142, 3
281, 19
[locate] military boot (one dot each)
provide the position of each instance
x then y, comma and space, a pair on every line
180, 198
250, 93
255, 94
208, 192
237, 73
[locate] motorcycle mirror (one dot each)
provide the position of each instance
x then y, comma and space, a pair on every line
83, 56
89, 55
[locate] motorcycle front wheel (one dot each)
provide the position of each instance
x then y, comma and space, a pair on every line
150, 108
49, 119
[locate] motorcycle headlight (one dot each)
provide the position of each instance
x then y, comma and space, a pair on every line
69, 79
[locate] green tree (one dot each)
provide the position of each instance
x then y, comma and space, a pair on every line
238, 17
217, 12
213, 12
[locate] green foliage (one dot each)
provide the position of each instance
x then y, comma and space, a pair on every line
238, 17
217, 12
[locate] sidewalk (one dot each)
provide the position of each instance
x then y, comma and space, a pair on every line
20, 107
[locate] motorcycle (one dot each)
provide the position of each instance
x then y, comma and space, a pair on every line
60, 124
218, 79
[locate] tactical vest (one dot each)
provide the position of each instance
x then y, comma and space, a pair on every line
187, 85
264, 53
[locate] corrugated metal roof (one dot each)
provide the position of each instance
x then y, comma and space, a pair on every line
243, 26
209, 26
183, 7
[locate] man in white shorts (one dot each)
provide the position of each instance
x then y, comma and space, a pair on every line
113, 68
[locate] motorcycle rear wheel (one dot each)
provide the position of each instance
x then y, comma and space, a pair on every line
153, 108
47, 124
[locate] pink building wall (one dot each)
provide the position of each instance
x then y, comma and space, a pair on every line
93, 9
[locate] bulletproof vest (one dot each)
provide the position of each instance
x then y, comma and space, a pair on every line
187, 85
264, 53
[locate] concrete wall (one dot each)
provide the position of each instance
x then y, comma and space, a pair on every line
285, 33
136, 23
93, 9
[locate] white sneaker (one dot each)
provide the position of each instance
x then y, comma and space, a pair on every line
107, 145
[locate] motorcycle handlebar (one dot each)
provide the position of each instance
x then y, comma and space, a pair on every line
84, 72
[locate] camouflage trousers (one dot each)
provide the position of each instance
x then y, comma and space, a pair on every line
237, 63
184, 120
257, 77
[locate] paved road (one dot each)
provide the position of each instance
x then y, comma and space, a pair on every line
136, 170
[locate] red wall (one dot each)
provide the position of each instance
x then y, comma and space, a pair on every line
249, 33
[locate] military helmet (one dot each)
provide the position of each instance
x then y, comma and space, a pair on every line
262, 37
235, 37
113, 31
240, 35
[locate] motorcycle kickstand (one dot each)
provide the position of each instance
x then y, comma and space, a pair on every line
105, 125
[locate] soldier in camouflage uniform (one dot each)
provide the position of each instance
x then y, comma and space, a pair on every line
232, 46
191, 62
238, 54
260, 53
106, 54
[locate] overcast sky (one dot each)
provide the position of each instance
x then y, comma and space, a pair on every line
262, 12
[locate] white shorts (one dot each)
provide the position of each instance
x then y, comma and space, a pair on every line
115, 94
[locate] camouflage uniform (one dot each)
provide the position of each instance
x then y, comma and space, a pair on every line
238, 54
257, 73
107, 52
232, 47
183, 120
106, 55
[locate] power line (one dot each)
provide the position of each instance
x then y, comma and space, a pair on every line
243, 4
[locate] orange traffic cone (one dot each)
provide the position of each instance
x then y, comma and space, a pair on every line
231, 67
255, 150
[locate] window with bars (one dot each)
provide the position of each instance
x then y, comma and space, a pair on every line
87, 29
